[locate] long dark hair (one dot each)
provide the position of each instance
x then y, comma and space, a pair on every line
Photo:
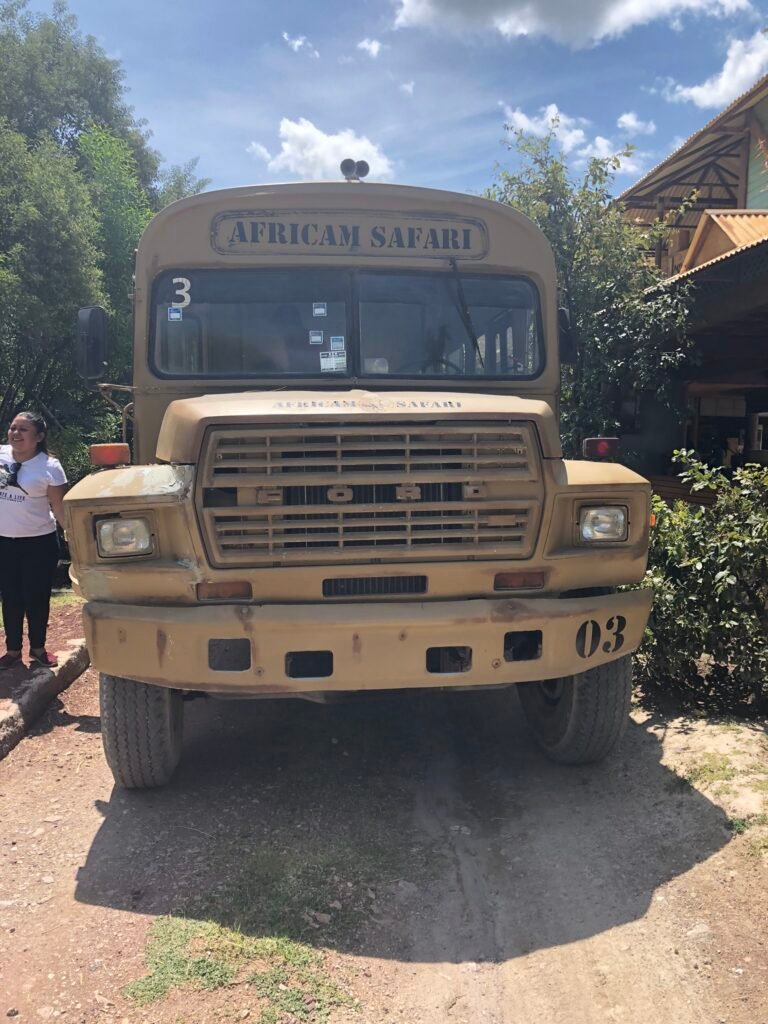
38, 422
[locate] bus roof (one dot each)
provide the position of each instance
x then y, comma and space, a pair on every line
335, 223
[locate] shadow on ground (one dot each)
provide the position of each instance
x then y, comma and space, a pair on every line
418, 826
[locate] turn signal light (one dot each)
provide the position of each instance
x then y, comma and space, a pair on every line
110, 455
652, 519
518, 581
234, 590
600, 447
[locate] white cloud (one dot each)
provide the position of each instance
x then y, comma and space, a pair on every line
631, 124
569, 131
745, 62
300, 43
261, 152
407, 88
309, 153
575, 24
371, 46
599, 148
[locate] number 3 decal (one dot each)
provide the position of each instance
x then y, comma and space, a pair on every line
590, 634
182, 292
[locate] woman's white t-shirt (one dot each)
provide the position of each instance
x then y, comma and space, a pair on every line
25, 510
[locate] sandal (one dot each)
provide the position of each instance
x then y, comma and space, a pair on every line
44, 658
9, 660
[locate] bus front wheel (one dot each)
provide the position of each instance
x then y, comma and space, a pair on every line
141, 729
581, 718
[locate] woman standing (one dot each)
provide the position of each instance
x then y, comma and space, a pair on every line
32, 486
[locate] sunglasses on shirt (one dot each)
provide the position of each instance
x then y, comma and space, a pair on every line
13, 476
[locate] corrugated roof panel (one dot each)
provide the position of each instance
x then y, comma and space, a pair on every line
742, 226
710, 263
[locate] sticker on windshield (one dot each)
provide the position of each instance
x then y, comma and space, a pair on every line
337, 342
319, 309
175, 313
315, 337
330, 361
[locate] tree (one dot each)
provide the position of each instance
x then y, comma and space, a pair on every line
177, 182
55, 83
48, 267
78, 183
629, 339
122, 211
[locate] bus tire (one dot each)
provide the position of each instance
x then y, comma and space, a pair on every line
141, 729
580, 719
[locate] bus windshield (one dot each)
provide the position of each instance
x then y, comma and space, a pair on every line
302, 322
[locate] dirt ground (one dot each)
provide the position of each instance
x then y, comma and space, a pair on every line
409, 859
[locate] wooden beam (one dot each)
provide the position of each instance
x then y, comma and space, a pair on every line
743, 172
729, 189
659, 254
690, 160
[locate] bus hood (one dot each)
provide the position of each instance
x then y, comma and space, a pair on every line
186, 420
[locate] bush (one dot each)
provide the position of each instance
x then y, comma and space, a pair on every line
708, 567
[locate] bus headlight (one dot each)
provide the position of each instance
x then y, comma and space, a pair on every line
605, 523
116, 537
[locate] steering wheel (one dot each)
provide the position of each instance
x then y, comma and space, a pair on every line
428, 362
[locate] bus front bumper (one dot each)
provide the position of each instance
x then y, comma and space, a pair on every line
253, 650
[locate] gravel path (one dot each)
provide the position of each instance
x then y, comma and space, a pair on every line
445, 871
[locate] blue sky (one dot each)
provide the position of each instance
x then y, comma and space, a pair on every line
422, 89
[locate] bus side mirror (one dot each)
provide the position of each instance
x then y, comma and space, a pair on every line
91, 346
568, 348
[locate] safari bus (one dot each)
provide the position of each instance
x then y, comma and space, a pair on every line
345, 473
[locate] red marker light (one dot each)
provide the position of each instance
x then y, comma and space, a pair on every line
600, 447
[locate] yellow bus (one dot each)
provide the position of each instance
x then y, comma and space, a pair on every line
346, 473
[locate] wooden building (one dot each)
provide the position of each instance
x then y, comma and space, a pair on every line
720, 248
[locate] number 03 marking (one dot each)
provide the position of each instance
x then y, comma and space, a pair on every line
590, 634
183, 297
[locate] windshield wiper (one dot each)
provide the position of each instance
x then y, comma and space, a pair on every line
463, 310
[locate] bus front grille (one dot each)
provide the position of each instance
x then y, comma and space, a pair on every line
298, 494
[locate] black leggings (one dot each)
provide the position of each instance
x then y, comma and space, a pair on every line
27, 565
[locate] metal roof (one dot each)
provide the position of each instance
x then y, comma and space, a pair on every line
721, 231
742, 226
722, 258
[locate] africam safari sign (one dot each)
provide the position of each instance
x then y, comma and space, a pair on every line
327, 233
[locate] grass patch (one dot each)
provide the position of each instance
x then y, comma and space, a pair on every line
260, 928
302, 992
64, 597
760, 786
758, 847
205, 955
708, 769
306, 891
740, 825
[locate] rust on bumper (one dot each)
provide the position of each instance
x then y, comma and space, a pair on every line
373, 646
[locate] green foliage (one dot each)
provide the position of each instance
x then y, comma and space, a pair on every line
123, 212
628, 339
708, 635
48, 265
78, 184
55, 83
177, 182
